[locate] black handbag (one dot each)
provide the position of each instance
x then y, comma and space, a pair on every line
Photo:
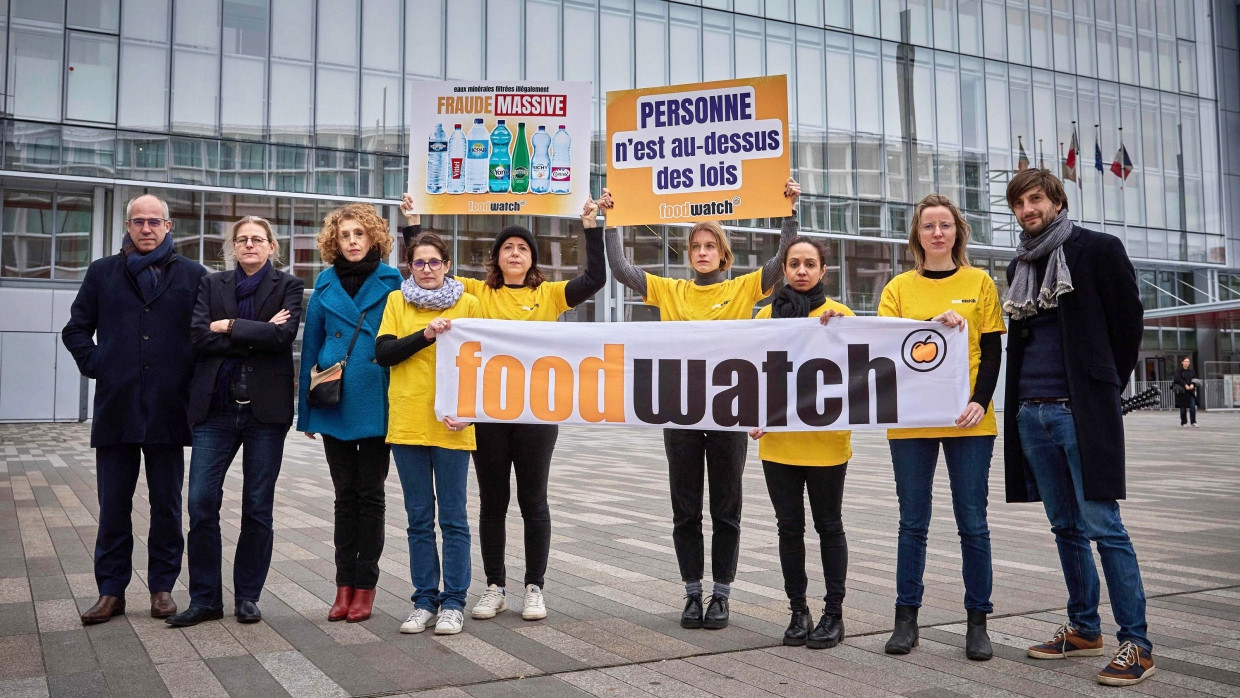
327, 385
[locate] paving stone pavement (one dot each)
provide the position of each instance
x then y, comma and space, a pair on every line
613, 591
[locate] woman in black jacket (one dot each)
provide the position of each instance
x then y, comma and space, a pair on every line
1185, 389
243, 328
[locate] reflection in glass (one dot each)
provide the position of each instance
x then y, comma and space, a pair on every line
27, 235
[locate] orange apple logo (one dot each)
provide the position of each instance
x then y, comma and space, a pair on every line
925, 351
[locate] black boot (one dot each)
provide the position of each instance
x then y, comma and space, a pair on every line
798, 627
976, 641
829, 633
904, 637
716, 616
692, 616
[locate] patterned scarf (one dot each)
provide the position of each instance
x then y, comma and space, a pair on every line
440, 298
1023, 297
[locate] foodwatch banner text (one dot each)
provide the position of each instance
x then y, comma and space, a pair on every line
500, 147
782, 375
706, 151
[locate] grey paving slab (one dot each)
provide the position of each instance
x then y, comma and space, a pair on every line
89, 684
245, 677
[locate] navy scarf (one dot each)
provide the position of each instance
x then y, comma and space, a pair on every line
146, 269
247, 286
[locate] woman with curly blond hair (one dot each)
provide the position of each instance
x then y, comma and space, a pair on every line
342, 319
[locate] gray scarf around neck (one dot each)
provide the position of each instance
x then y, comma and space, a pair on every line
440, 298
1024, 299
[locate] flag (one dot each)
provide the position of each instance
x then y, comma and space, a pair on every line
1122, 166
1097, 156
1069, 165
1022, 163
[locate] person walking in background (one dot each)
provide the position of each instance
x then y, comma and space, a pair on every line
342, 321
245, 321
1076, 326
1185, 386
944, 288
129, 331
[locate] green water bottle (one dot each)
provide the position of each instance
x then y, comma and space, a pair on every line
521, 162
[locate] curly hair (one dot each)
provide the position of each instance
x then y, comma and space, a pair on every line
366, 214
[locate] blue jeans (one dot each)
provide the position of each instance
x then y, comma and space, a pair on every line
968, 471
216, 442
427, 471
1048, 439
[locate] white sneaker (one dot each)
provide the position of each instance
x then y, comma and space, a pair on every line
535, 608
450, 622
492, 602
417, 621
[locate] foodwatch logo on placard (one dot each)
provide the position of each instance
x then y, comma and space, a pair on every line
496, 206
689, 209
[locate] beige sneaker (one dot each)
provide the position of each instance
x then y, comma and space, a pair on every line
491, 602
535, 608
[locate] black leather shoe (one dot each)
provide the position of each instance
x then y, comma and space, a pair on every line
691, 617
716, 616
828, 633
798, 628
194, 615
904, 637
247, 612
976, 641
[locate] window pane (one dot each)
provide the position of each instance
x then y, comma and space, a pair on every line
466, 50
103, 15
243, 98
869, 98
839, 82
72, 253
839, 13
716, 46
34, 72
811, 103
945, 12
51, 12
685, 45
27, 235
1018, 31
295, 37
651, 42
145, 19
542, 58
424, 25
92, 78
616, 70
195, 67
994, 29
381, 124
337, 40
336, 107
970, 18
1040, 33
504, 37
749, 47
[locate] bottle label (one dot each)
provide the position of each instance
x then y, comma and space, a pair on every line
520, 173
477, 149
560, 174
499, 172
436, 147
539, 172
458, 166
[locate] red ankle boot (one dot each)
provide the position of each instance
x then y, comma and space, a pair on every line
363, 600
340, 609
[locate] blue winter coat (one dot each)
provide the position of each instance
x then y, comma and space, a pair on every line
331, 317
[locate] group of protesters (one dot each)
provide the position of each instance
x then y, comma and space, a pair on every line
183, 357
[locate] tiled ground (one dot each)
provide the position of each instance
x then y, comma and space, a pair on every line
613, 591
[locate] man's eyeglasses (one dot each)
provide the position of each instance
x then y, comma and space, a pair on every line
244, 240
140, 223
434, 264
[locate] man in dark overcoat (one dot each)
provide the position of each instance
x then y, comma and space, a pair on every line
1075, 330
129, 330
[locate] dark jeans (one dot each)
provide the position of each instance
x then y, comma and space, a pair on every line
720, 457
787, 485
216, 442
358, 470
116, 470
1048, 439
526, 450
968, 472
1189, 412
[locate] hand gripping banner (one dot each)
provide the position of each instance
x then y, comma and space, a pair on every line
781, 375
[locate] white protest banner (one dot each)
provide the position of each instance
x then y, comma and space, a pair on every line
782, 375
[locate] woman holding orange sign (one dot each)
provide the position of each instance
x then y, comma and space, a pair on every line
944, 288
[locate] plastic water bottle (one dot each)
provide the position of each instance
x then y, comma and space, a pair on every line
540, 162
437, 161
477, 154
500, 172
561, 162
456, 162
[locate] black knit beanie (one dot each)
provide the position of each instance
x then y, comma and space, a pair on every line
516, 231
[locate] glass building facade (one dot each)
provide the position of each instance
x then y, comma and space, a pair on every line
287, 108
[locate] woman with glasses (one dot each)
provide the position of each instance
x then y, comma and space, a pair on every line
516, 289
432, 457
342, 320
241, 397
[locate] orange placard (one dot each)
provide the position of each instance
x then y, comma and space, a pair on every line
705, 151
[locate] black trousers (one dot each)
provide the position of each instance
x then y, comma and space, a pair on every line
116, 469
525, 449
787, 485
359, 469
720, 457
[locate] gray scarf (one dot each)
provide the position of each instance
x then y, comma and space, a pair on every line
440, 298
1021, 294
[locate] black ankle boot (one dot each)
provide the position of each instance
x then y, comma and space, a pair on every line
829, 633
692, 616
798, 627
976, 641
904, 637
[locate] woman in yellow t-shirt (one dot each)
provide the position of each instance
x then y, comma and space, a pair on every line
815, 460
516, 289
710, 295
944, 288
432, 457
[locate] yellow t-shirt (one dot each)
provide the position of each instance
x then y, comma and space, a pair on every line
681, 299
971, 293
543, 303
411, 390
820, 447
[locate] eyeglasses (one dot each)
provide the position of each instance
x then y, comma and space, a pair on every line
244, 240
434, 264
140, 223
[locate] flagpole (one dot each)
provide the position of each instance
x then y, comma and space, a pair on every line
1041, 156
1123, 200
1102, 175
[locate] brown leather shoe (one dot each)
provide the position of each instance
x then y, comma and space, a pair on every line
162, 605
340, 609
363, 601
103, 610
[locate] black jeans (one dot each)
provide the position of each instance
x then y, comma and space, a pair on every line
1189, 410
720, 457
787, 485
359, 469
503, 449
